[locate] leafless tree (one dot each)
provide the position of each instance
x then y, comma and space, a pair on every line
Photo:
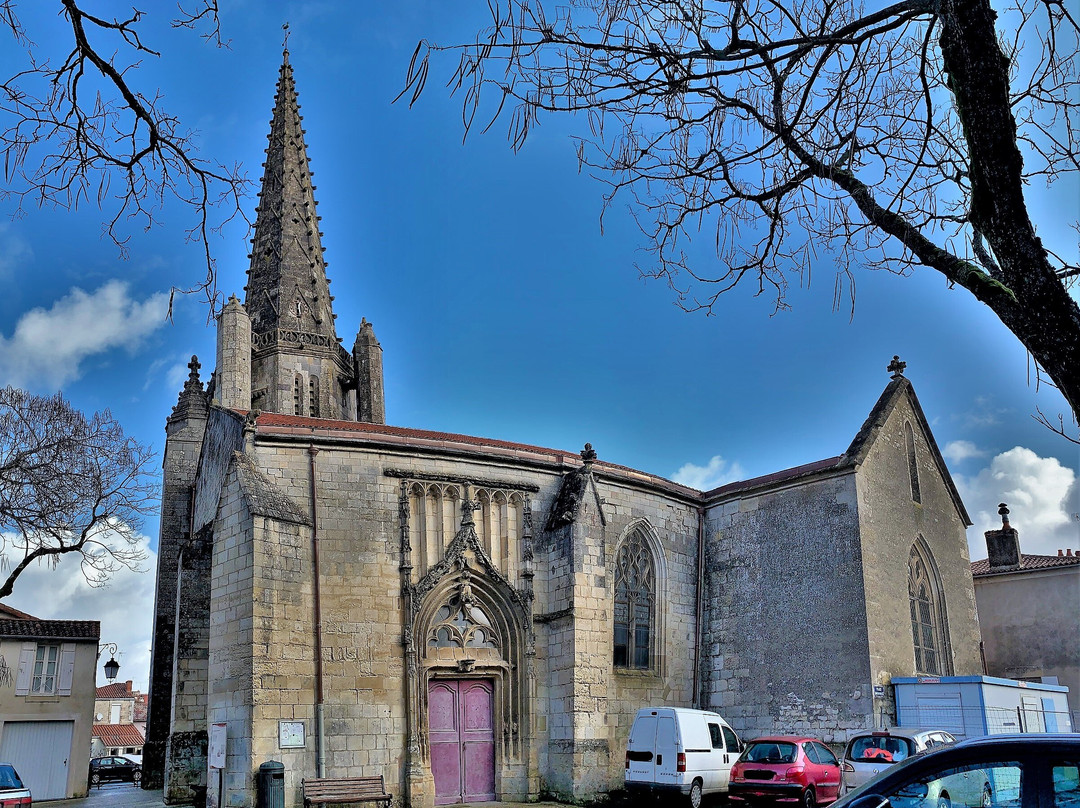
69, 484
75, 128
899, 137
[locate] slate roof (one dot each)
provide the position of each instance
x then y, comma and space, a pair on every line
1027, 563
50, 629
263, 497
119, 734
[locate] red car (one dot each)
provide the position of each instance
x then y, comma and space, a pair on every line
785, 768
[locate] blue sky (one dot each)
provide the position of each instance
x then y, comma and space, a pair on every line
502, 309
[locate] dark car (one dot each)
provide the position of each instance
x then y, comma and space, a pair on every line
998, 771
13, 792
105, 769
785, 768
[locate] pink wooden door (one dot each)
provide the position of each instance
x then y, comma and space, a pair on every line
461, 735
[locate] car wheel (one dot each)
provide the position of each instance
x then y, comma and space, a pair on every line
95, 779
136, 776
987, 796
944, 801
695, 794
808, 800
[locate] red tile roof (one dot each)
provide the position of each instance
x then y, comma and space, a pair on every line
116, 690
299, 424
1027, 562
118, 734
50, 629
7, 611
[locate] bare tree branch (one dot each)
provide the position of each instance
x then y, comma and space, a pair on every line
69, 484
78, 130
889, 139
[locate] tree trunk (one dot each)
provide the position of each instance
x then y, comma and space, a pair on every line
1043, 315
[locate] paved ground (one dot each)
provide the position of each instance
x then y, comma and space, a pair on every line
124, 795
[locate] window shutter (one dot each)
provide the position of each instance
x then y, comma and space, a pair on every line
67, 668
26, 668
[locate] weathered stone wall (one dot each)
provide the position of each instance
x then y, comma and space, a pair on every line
224, 435
890, 523
184, 435
1029, 625
185, 757
581, 710
272, 383
784, 642
674, 525
232, 652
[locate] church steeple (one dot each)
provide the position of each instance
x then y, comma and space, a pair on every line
286, 325
287, 284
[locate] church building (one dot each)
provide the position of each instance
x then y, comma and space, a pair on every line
475, 619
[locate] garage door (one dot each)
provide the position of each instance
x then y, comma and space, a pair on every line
39, 750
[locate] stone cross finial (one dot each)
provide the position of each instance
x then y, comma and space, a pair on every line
468, 505
896, 367
1003, 512
285, 42
588, 454
193, 381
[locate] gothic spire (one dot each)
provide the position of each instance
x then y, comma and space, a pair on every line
287, 288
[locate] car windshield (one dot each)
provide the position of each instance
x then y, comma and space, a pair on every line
880, 748
769, 752
8, 777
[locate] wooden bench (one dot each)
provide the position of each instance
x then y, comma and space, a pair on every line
336, 790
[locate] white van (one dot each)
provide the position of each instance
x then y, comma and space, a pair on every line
678, 750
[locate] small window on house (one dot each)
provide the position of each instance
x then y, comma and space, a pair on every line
913, 466
298, 399
46, 670
635, 593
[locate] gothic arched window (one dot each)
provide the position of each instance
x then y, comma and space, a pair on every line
928, 625
313, 396
635, 597
913, 466
298, 395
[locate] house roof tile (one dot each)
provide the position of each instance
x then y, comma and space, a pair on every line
1027, 562
50, 629
118, 734
116, 690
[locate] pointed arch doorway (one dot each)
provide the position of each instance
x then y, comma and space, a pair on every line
461, 735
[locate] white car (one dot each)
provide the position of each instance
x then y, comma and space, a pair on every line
676, 750
873, 751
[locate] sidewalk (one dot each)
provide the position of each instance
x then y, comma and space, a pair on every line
124, 795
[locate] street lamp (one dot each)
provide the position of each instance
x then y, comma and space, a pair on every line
112, 667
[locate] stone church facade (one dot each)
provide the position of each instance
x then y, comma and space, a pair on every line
475, 619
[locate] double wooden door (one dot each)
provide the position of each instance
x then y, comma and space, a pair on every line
461, 735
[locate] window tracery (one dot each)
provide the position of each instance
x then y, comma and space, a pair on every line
462, 623
927, 616
635, 597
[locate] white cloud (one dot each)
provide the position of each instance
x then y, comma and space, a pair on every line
716, 473
125, 608
49, 344
957, 451
1043, 497
14, 251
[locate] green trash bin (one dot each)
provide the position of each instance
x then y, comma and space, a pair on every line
270, 792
